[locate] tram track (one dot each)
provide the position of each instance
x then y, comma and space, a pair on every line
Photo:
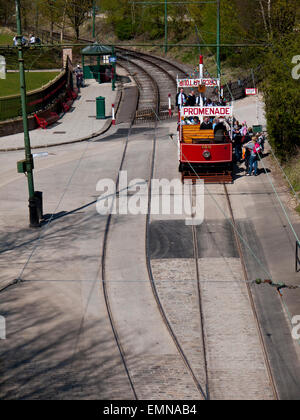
204, 393
251, 299
157, 94
200, 303
148, 89
166, 83
138, 80
133, 66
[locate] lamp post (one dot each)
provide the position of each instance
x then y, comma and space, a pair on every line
26, 165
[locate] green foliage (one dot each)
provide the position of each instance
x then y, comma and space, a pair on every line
6, 38
7, 9
124, 29
242, 21
281, 93
283, 17
293, 173
77, 12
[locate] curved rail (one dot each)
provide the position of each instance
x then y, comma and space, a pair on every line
203, 394
260, 334
181, 352
104, 253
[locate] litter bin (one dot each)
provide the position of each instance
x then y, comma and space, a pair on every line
100, 108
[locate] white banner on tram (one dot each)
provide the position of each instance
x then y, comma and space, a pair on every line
207, 111
182, 83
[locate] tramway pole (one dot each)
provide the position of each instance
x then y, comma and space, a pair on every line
26, 166
114, 71
155, 2
218, 38
94, 19
166, 26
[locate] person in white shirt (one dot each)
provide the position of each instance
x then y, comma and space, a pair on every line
180, 99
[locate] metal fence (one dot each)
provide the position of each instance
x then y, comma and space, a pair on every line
236, 90
10, 106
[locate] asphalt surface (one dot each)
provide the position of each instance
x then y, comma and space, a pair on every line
59, 341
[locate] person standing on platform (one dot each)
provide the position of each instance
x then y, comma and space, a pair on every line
79, 77
181, 99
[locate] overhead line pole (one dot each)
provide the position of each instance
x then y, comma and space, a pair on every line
166, 26
166, 2
94, 18
218, 38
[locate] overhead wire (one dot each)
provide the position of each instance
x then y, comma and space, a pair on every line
44, 228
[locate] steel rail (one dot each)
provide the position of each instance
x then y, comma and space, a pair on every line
200, 302
148, 261
257, 323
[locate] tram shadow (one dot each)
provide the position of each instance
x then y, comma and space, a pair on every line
238, 172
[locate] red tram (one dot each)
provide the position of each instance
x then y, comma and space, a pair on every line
205, 154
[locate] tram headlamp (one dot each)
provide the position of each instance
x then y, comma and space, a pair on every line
206, 154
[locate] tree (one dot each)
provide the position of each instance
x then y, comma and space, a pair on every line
77, 12
282, 17
52, 12
7, 10
281, 96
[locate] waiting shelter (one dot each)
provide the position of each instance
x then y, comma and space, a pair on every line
99, 62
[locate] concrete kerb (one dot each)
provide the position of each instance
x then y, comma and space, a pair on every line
106, 127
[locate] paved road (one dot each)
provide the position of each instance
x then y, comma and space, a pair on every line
59, 342
235, 362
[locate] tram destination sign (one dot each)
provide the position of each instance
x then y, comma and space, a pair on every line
207, 111
182, 83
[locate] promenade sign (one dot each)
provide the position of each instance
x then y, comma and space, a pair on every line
207, 111
189, 83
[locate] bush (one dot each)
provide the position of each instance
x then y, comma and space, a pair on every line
281, 94
124, 29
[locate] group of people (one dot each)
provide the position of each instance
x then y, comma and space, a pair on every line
209, 123
32, 40
192, 100
248, 147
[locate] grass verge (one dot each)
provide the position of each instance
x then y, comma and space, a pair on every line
292, 171
11, 85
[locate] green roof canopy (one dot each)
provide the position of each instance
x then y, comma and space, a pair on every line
97, 49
